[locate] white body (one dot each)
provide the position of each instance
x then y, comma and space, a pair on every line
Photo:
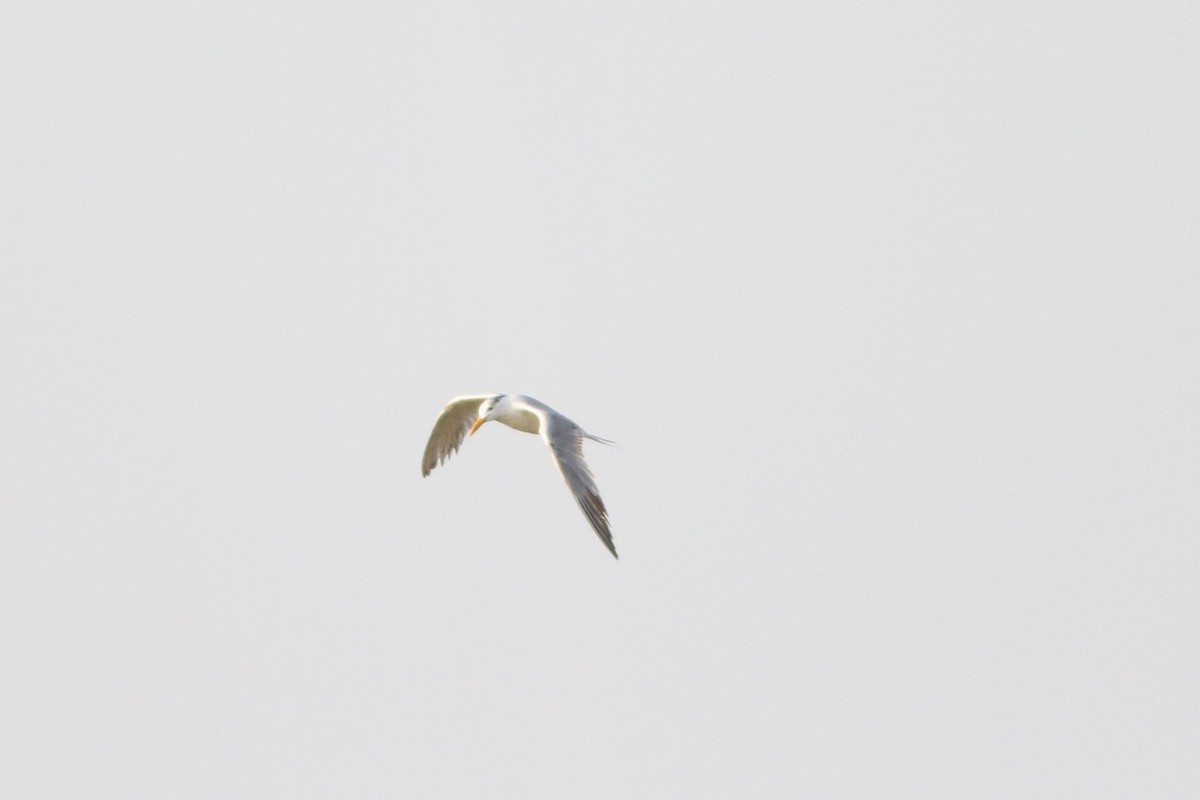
464, 415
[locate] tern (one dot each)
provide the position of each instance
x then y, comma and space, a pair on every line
462, 416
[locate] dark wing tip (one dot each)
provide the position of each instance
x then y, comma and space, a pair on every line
597, 515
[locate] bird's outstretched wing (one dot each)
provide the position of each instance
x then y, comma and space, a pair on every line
566, 442
450, 430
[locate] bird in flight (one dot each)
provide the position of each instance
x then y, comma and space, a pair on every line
462, 416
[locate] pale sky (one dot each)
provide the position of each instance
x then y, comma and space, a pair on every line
892, 309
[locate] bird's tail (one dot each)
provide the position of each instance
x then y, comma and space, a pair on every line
598, 439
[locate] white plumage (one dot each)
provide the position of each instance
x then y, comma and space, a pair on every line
463, 416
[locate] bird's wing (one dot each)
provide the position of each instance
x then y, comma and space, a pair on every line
566, 442
450, 429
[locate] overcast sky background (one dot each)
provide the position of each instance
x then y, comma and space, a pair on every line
892, 309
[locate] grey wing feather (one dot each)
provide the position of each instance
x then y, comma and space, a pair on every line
450, 430
566, 442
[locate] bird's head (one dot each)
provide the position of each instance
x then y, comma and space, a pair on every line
487, 411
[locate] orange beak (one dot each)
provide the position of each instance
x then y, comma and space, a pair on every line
475, 427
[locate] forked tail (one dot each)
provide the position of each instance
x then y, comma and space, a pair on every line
598, 439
